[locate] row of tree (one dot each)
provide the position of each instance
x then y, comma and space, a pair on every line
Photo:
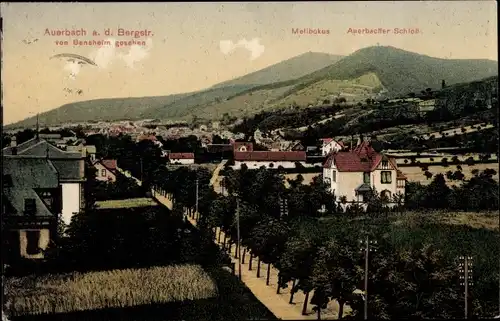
416, 280
480, 192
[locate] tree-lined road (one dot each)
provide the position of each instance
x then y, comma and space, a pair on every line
278, 304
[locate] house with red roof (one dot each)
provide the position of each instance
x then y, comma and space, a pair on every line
268, 159
330, 145
355, 173
181, 158
106, 170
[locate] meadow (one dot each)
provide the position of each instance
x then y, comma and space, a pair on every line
416, 174
126, 203
64, 293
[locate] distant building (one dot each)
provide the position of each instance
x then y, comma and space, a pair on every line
427, 105
355, 173
181, 158
243, 147
106, 170
256, 159
329, 145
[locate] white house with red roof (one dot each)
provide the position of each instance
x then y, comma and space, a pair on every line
330, 145
257, 159
181, 158
106, 170
355, 173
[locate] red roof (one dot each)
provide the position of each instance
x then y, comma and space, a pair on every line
326, 140
362, 159
109, 163
248, 145
181, 155
291, 156
147, 137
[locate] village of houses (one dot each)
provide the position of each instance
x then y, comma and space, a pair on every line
45, 175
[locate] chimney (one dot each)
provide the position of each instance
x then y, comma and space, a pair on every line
13, 145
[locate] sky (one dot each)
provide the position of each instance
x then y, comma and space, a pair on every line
192, 46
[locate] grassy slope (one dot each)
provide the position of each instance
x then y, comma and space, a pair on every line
399, 71
402, 71
180, 106
289, 69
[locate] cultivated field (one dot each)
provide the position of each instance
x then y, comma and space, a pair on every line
108, 289
356, 90
126, 203
416, 174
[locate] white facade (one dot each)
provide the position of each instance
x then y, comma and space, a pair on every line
267, 164
383, 179
71, 200
183, 161
330, 147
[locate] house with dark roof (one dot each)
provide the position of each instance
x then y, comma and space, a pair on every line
268, 159
70, 167
106, 170
32, 201
355, 173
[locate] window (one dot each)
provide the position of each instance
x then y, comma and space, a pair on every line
7, 181
385, 177
385, 164
103, 172
29, 206
366, 178
401, 183
334, 176
33, 238
47, 198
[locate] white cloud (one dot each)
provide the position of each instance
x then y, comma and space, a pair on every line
226, 46
104, 56
136, 53
107, 54
254, 46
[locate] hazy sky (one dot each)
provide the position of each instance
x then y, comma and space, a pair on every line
196, 45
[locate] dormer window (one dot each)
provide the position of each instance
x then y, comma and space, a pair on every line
29, 206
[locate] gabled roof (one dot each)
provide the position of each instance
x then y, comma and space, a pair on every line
400, 175
363, 188
27, 175
40, 147
362, 159
291, 156
248, 145
109, 164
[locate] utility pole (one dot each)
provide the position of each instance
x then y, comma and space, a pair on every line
367, 249
465, 267
196, 211
142, 178
238, 234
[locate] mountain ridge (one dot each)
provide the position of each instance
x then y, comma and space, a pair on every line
399, 71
